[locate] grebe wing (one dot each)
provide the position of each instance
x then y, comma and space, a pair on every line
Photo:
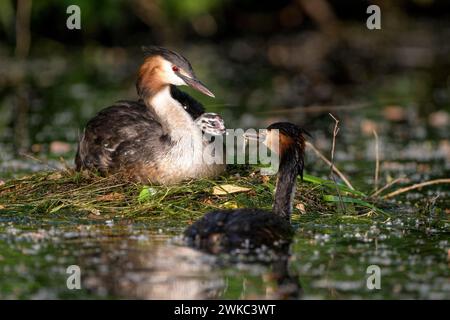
119, 124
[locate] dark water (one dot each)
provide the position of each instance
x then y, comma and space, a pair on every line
329, 259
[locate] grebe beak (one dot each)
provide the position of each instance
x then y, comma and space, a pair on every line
197, 85
261, 136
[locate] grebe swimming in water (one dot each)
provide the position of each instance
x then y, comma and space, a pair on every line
156, 138
227, 230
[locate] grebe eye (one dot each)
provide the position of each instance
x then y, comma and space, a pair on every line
175, 68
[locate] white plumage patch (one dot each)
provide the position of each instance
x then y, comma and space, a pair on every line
184, 160
169, 74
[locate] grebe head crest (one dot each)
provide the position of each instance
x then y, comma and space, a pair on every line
174, 68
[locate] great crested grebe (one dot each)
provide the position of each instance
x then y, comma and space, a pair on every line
227, 230
156, 138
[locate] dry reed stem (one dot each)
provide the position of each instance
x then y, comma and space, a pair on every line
333, 147
377, 160
388, 185
415, 186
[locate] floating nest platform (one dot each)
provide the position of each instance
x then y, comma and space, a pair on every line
68, 191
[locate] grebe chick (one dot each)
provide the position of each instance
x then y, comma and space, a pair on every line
154, 139
211, 123
249, 229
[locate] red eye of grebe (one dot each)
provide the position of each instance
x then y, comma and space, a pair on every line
175, 68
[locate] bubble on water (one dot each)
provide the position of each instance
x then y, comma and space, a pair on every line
378, 260
443, 244
437, 296
71, 235
33, 250
49, 258
141, 238
340, 285
12, 231
321, 238
109, 223
374, 230
347, 235
348, 270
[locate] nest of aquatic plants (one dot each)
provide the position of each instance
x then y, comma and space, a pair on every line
96, 196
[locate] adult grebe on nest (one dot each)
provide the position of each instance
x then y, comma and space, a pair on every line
249, 229
159, 138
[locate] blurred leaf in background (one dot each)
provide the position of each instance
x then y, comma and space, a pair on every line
7, 16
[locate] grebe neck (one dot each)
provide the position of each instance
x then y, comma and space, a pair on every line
285, 185
171, 115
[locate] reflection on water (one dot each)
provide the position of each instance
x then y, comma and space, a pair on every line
163, 270
157, 271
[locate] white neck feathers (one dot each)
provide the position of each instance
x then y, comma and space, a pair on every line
175, 120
